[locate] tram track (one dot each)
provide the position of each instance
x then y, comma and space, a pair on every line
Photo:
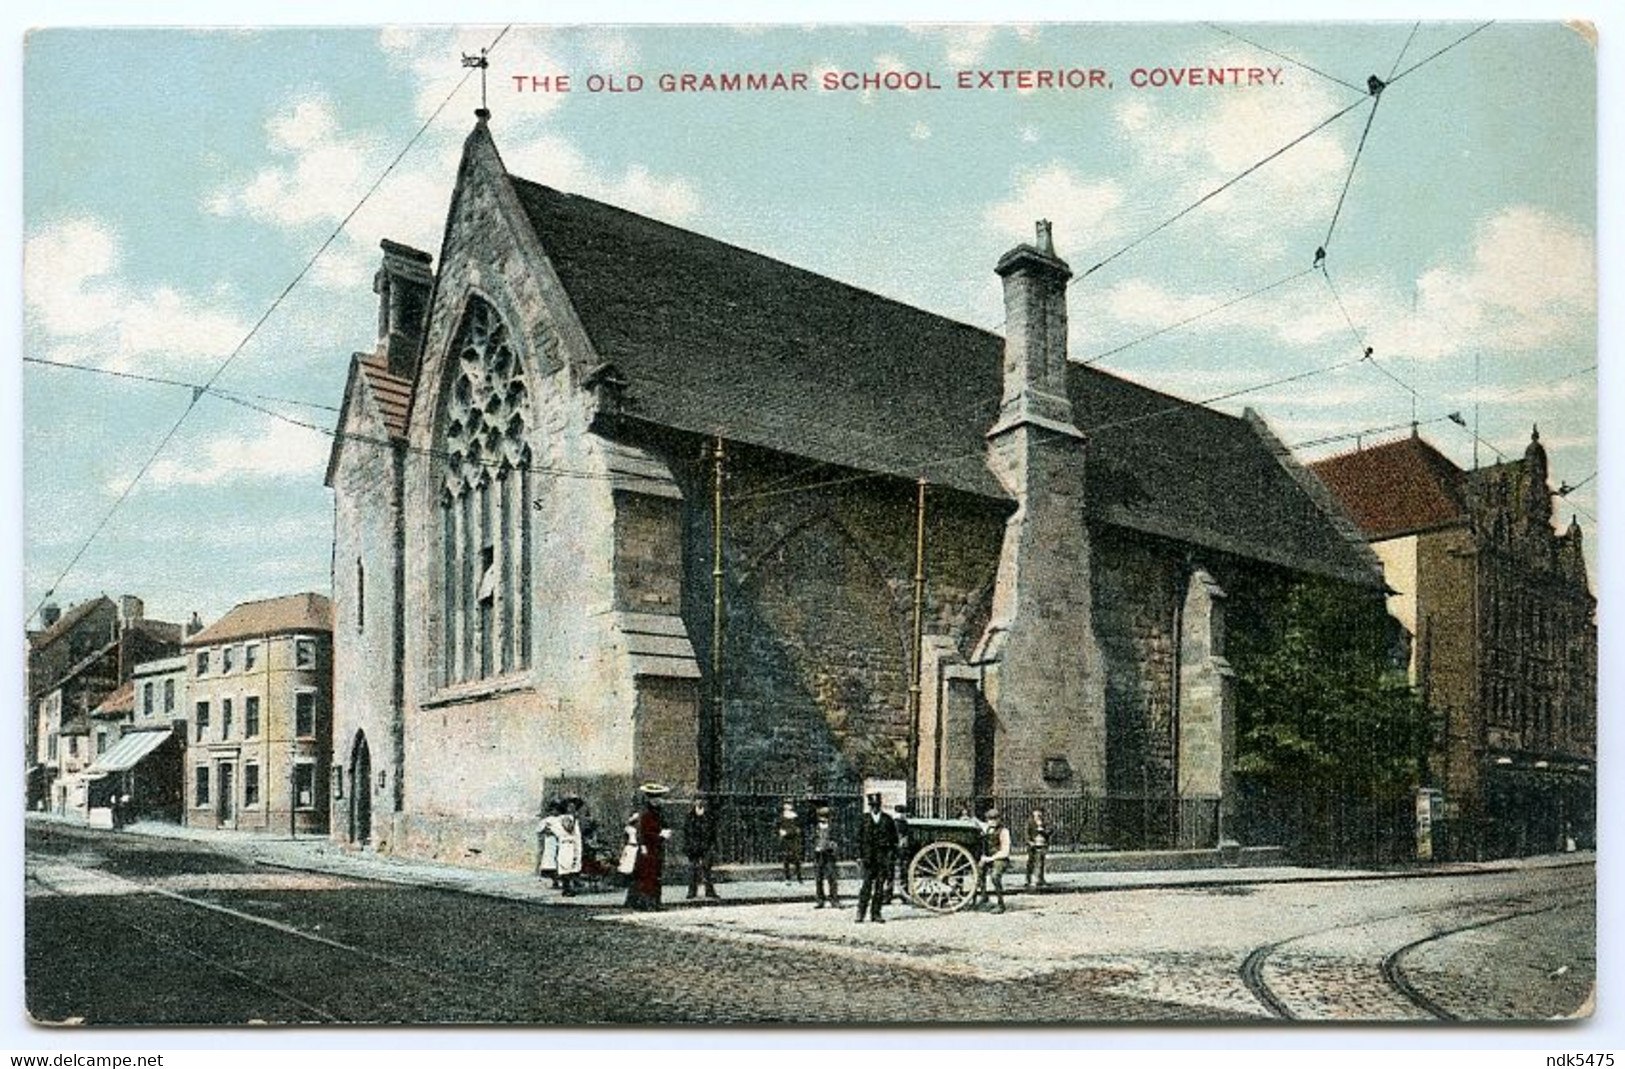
240, 920
1391, 967
1393, 970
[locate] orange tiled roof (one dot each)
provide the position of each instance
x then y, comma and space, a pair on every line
1395, 488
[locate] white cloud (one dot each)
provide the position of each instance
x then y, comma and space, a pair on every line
280, 451
1084, 212
85, 311
322, 170
1231, 131
1529, 282
1520, 395
920, 131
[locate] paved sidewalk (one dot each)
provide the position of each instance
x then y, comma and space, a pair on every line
324, 856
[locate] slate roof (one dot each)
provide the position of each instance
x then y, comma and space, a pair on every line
1396, 488
293, 612
66, 622
1179, 470
711, 338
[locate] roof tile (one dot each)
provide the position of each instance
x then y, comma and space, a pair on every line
294, 612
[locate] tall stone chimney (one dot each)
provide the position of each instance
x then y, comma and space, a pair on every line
49, 614
130, 609
194, 625
1042, 667
403, 284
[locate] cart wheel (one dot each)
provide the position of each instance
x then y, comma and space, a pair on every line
942, 877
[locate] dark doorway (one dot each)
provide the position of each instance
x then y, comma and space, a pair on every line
226, 813
984, 734
360, 791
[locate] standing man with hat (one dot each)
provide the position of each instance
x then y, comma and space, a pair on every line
700, 844
877, 845
995, 857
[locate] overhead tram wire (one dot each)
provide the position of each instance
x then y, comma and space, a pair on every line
1188, 320
253, 331
1294, 143
1429, 59
1283, 55
1348, 180
161, 381
1366, 432
1565, 490
1405, 48
437, 454
1369, 356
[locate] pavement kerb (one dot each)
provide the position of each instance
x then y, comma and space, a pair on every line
524, 887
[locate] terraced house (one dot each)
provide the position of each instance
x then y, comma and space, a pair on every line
259, 695
615, 500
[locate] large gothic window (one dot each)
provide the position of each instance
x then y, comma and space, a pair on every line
485, 526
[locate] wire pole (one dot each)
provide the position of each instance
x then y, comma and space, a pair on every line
915, 652
714, 739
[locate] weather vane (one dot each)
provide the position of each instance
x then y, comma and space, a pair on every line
483, 63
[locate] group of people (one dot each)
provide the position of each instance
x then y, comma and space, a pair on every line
643, 850
884, 854
882, 847
562, 837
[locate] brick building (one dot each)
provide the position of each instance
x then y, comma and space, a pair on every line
75, 662
259, 698
1504, 634
526, 579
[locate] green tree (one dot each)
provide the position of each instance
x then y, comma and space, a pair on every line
1323, 703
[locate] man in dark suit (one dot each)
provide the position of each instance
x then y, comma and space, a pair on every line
700, 844
877, 845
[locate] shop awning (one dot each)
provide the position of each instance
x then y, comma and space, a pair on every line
127, 752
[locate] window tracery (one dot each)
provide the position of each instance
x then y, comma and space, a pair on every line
485, 526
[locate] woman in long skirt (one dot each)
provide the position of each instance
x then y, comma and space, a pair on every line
644, 893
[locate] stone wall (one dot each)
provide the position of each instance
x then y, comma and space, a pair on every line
480, 755
1139, 584
818, 588
367, 656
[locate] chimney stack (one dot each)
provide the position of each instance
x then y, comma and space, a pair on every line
130, 609
403, 283
1035, 366
194, 625
1040, 662
49, 614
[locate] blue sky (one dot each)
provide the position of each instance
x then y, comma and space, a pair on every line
174, 182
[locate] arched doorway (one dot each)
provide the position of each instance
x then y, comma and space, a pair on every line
360, 790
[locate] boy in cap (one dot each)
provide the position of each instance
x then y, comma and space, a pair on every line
995, 857
824, 860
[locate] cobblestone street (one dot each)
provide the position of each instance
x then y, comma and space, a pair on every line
221, 938
1321, 951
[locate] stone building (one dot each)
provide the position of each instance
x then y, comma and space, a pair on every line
139, 747
1504, 634
527, 581
75, 662
259, 698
